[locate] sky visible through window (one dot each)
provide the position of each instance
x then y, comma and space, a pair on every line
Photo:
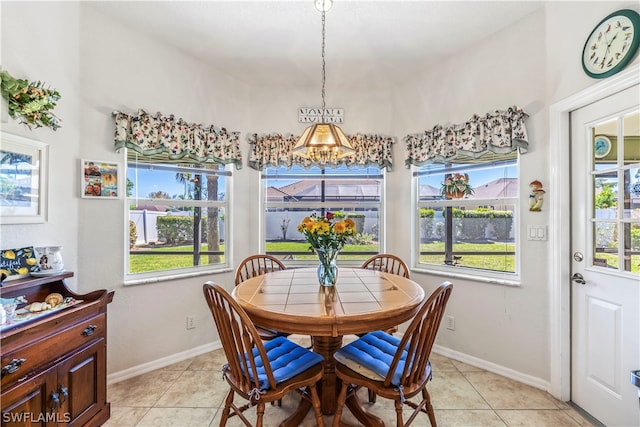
151, 182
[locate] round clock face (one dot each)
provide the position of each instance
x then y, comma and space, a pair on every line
612, 44
601, 146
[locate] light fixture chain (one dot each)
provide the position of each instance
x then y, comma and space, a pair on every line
323, 62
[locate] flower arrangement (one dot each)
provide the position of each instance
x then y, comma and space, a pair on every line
326, 236
29, 102
323, 232
456, 186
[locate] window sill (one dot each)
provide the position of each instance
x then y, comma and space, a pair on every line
469, 276
156, 279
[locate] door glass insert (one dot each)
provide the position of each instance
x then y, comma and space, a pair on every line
616, 193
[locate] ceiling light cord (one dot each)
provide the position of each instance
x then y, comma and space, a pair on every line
324, 65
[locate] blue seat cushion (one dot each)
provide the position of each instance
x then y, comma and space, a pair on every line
287, 360
371, 355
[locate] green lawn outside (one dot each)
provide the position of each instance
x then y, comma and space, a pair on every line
145, 263
612, 262
501, 263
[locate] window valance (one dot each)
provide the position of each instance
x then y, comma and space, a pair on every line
171, 139
275, 150
499, 132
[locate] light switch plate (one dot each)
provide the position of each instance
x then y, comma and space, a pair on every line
537, 232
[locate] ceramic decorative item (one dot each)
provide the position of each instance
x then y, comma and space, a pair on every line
49, 259
536, 196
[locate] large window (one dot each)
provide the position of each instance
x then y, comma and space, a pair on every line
475, 234
290, 194
176, 218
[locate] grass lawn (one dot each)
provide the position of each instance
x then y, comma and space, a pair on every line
612, 262
144, 263
483, 261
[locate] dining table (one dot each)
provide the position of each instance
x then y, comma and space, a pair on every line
362, 300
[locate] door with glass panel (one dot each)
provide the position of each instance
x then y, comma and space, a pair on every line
605, 282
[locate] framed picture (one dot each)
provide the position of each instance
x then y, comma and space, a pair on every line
99, 180
24, 167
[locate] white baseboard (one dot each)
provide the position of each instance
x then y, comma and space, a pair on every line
134, 371
161, 363
536, 382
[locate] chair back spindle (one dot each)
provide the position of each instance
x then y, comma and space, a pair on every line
387, 263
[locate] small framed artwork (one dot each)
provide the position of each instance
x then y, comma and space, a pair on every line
99, 180
24, 166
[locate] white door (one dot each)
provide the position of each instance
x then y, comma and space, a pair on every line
605, 230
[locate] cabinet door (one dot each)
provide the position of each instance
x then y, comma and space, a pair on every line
30, 403
82, 383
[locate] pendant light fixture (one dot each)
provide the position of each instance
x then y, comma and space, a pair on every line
323, 142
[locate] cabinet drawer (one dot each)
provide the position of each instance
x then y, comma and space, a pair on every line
23, 361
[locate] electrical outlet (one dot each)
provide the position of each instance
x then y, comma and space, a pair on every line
451, 323
191, 322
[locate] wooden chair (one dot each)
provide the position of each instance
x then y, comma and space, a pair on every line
377, 361
259, 371
387, 263
256, 265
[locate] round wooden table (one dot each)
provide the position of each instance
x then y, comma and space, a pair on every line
361, 301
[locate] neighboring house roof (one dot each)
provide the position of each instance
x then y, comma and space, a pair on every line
151, 208
367, 189
334, 189
501, 187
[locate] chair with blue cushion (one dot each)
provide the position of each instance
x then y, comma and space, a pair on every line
387, 263
259, 371
392, 367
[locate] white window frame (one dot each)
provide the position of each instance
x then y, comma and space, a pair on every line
318, 205
180, 273
468, 273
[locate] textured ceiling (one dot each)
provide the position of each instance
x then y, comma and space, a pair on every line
368, 43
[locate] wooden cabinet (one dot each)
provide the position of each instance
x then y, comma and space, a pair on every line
54, 364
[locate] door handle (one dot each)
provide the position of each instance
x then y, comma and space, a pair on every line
578, 278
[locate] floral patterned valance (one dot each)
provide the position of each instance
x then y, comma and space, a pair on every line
178, 140
499, 132
275, 150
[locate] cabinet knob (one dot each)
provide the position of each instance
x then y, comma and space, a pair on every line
89, 330
64, 392
54, 400
12, 367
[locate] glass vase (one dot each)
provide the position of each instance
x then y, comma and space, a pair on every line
327, 267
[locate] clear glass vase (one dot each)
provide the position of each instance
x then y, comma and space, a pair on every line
327, 267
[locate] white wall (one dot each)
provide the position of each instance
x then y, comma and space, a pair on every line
100, 66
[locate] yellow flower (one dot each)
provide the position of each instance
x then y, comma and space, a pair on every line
9, 255
350, 223
340, 227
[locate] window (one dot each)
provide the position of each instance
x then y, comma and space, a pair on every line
290, 194
477, 233
176, 218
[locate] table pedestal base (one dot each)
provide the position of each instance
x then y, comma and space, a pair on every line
329, 388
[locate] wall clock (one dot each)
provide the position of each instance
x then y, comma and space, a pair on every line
612, 44
601, 146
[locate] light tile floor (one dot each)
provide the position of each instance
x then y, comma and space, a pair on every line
191, 393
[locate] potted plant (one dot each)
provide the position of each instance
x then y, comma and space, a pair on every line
456, 186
